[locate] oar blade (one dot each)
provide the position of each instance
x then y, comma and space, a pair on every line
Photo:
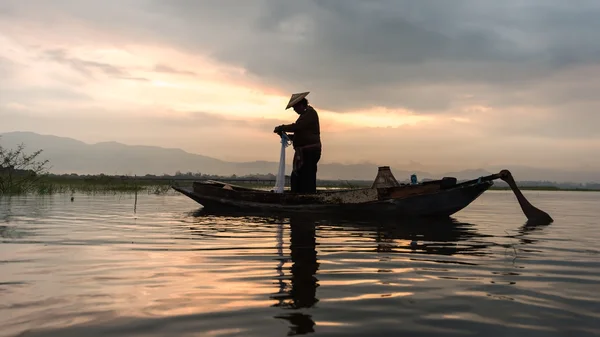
534, 215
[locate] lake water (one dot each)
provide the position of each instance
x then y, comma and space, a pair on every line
92, 267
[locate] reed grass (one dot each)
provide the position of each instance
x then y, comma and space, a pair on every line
104, 184
91, 185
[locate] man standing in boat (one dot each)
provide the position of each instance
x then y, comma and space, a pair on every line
307, 144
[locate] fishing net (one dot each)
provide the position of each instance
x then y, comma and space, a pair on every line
280, 180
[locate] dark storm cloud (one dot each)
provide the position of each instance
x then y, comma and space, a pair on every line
353, 54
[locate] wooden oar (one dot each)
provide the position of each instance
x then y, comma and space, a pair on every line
534, 215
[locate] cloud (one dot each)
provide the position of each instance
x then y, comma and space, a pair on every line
483, 74
161, 68
89, 68
83, 66
138, 79
439, 146
6, 68
197, 132
355, 55
34, 94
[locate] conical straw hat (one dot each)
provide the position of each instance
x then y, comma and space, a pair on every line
296, 98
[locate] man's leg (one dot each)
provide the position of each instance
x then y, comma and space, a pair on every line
303, 178
314, 171
294, 182
310, 170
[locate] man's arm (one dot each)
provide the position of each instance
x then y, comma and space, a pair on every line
279, 131
302, 122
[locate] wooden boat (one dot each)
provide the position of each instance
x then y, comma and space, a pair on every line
436, 198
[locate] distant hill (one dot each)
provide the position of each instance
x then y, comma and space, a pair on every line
68, 155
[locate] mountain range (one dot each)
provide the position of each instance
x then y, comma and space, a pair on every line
69, 155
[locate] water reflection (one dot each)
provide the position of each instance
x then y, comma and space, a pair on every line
89, 268
527, 229
445, 236
432, 240
302, 289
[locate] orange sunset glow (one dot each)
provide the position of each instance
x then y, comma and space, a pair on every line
212, 87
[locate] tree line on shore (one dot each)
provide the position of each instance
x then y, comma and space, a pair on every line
21, 172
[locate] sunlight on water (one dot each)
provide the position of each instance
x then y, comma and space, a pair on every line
92, 267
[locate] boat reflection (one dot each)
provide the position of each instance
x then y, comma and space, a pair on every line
433, 237
432, 240
442, 236
297, 291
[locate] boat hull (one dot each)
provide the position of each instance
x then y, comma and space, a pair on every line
430, 200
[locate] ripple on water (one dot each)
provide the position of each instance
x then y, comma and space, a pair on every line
94, 268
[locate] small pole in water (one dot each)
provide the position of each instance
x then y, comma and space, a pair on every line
135, 188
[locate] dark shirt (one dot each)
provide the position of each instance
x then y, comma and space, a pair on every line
306, 129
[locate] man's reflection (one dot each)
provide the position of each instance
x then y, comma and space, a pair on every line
303, 282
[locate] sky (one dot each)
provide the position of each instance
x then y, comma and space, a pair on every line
438, 84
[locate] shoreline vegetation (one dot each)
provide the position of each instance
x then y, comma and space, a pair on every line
91, 184
22, 173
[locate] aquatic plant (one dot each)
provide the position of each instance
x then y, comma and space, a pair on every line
20, 172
